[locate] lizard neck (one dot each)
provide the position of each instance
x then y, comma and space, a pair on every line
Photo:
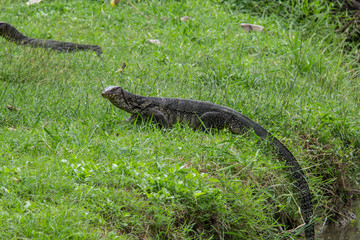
129, 102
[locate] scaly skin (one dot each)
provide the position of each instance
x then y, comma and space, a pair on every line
12, 34
206, 115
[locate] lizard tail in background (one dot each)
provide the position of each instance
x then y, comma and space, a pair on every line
10, 33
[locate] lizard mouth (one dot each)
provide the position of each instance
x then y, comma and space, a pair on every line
105, 95
110, 92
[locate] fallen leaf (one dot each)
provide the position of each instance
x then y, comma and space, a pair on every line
11, 108
154, 41
251, 27
122, 68
185, 18
16, 179
114, 2
31, 2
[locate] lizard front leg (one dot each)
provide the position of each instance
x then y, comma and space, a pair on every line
157, 115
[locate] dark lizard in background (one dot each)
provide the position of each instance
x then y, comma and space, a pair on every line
206, 115
12, 34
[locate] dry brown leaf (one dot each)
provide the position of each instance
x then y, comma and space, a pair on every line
122, 68
154, 41
251, 27
114, 2
16, 179
11, 108
31, 2
185, 18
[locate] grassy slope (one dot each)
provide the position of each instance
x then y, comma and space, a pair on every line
87, 174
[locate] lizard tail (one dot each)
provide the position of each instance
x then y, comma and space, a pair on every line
297, 174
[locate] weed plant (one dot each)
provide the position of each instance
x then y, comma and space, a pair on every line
71, 167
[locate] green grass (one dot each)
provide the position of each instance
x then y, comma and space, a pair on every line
72, 168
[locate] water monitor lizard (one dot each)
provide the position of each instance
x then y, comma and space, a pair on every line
206, 115
12, 34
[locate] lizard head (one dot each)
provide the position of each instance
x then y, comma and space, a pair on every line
117, 96
112, 92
